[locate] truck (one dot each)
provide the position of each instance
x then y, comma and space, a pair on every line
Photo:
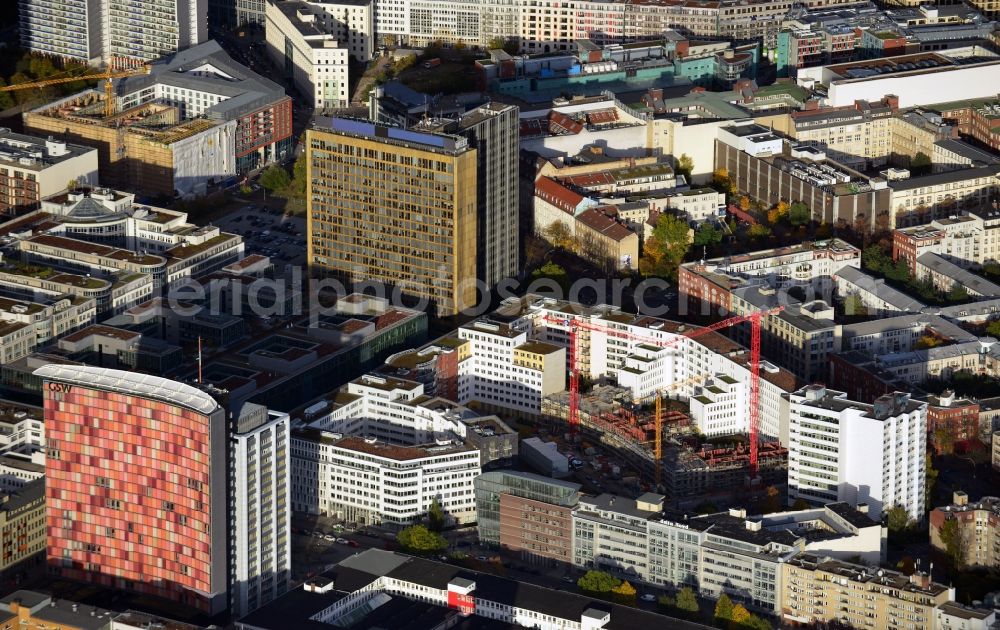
432, 63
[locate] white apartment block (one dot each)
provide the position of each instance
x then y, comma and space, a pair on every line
152, 29
261, 518
22, 429
18, 470
717, 406
50, 320
311, 55
70, 29
840, 450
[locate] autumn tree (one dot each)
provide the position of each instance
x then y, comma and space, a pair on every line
771, 501
759, 231
777, 213
598, 582
685, 166
724, 609
722, 182
417, 539
740, 616
687, 602
665, 248
745, 203
559, 234
624, 593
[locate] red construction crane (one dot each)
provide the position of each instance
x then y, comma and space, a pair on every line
753, 318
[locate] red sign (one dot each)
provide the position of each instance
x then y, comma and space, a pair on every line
466, 604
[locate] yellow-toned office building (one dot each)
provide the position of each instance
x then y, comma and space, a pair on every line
394, 206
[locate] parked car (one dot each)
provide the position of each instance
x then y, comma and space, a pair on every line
341, 541
329, 538
567, 579
648, 597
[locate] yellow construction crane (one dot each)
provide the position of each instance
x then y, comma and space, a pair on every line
658, 423
108, 76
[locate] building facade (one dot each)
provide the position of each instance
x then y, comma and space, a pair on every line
260, 524
396, 207
156, 522
840, 450
22, 524
975, 541
34, 168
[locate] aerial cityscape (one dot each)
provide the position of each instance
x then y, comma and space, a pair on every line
490, 314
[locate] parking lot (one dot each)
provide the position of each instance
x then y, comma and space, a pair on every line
269, 232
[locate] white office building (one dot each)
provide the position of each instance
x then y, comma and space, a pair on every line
873, 455
261, 512
308, 49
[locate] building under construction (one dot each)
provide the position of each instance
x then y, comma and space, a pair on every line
608, 415
147, 147
195, 118
689, 470
719, 472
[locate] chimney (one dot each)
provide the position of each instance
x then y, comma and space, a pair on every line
920, 580
960, 498
862, 508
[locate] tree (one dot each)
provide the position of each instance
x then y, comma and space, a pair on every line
745, 203
687, 602
722, 183
665, 248
897, 519
920, 164
931, 475
854, 305
685, 166
956, 544
417, 539
798, 214
993, 328
598, 582
874, 259
724, 609
666, 602
6, 100
958, 293
559, 234
800, 504
944, 441
553, 272
274, 178
707, 234
435, 516
757, 623
777, 213
624, 593
927, 341
772, 500
759, 231
740, 615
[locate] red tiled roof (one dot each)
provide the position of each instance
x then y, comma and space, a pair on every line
560, 123
597, 221
558, 195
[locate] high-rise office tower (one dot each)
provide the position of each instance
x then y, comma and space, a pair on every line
99, 31
394, 206
259, 499
136, 484
493, 130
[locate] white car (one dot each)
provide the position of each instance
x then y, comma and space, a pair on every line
648, 597
329, 538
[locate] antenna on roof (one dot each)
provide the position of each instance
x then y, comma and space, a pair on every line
199, 359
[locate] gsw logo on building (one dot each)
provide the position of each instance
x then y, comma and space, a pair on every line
460, 597
60, 387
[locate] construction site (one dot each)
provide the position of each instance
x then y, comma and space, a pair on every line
692, 470
148, 147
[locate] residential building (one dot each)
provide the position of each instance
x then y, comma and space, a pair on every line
197, 118
22, 524
893, 335
858, 136
823, 590
68, 29
864, 294
29, 324
968, 240
952, 422
977, 119
840, 450
370, 190
527, 515
101, 508
946, 276
21, 429
260, 523
156, 29
18, 470
310, 56
977, 535
919, 200
954, 616
32, 168
32, 609
417, 588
